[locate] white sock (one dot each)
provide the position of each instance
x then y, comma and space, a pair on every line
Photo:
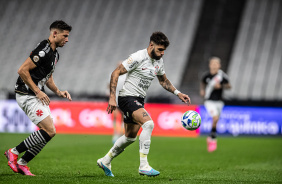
143, 160
117, 148
22, 162
145, 142
15, 151
145, 137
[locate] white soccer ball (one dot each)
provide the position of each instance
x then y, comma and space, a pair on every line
191, 120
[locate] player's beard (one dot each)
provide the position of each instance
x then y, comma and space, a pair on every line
154, 55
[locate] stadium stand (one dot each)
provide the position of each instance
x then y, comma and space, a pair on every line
256, 63
104, 32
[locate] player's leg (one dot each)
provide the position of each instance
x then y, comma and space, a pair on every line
218, 106
213, 129
143, 118
213, 110
40, 116
33, 144
131, 131
211, 139
115, 134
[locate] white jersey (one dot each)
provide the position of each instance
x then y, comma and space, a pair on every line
141, 69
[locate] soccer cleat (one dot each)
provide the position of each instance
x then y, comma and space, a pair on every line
106, 169
148, 171
12, 160
23, 169
212, 144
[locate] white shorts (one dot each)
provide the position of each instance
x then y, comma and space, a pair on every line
33, 108
214, 108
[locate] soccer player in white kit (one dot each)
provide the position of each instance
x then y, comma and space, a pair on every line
141, 68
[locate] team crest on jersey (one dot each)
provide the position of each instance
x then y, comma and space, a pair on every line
39, 112
35, 58
156, 69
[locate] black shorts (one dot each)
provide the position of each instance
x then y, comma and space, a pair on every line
129, 104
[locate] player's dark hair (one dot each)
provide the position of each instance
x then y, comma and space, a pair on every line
159, 38
59, 24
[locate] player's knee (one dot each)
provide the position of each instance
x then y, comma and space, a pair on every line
148, 125
129, 139
51, 132
215, 118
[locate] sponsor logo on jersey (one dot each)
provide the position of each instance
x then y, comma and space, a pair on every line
133, 64
129, 60
35, 58
156, 69
41, 54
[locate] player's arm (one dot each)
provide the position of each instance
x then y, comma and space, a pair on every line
24, 73
166, 84
120, 70
52, 86
202, 89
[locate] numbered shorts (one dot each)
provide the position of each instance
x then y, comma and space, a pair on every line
33, 108
214, 108
129, 104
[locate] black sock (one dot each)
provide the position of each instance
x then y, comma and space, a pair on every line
32, 152
36, 138
213, 133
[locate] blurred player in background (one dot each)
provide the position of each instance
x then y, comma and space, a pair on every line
211, 88
34, 74
118, 123
141, 68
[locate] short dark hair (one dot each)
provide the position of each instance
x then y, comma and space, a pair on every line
59, 24
159, 38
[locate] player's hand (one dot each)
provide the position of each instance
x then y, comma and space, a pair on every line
184, 98
43, 98
64, 94
217, 86
112, 106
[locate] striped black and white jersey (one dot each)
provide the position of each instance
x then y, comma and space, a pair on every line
215, 94
45, 60
142, 69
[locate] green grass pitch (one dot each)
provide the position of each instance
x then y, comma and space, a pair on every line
72, 159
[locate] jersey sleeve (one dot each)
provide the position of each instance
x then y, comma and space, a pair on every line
131, 62
38, 55
204, 77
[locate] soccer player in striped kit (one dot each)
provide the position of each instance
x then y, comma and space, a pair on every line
34, 74
141, 68
212, 85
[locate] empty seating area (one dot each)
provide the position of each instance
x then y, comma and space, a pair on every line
104, 32
107, 31
256, 64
